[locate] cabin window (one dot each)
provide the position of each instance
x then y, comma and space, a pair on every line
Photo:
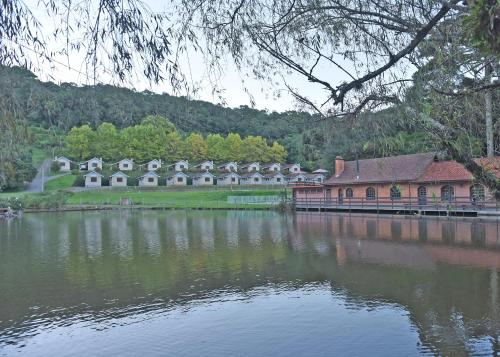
119, 179
62, 164
256, 179
233, 179
94, 164
180, 179
154, 166
181, 167
395, 193
370, 193
125, 165
349, 193
299, 179
93, 179
151, 179
447, 193
278, 179
207, 179
477, 192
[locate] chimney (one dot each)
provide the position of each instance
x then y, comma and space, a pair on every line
339, 166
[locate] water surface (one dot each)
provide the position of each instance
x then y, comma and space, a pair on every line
248, 284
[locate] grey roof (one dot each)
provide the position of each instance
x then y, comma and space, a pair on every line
200, 174
93, 173
149, 173
250, 174
274, 174
385, 169
248, 164
175, 173
229, 173
118, 173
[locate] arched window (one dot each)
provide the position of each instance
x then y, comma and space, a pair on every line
422, 195
370, 193
395, 193
447, 193
477, 192
349, 193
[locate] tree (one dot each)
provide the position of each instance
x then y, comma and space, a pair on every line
196, 147
255, 148
143, 143
107, 143
175, 148
79, 141
215, 144
159, 122
277, 152
232, 148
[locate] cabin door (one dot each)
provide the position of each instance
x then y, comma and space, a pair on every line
341, 196
328, 194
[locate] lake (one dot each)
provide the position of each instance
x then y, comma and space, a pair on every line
248, 283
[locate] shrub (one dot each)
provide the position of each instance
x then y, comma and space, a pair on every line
55, 166
79, 181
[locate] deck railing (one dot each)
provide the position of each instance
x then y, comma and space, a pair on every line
403, 203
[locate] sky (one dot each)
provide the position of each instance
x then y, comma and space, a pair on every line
275, 97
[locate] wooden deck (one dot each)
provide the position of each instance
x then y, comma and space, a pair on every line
406, 205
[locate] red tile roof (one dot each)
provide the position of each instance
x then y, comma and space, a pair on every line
386, 169
445, 171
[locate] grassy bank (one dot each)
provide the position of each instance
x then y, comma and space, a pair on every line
170, 199
141, 198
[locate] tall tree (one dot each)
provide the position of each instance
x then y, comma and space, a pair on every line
196, 147
215, 144
79, 141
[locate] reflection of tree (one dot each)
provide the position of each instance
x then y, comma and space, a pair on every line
450, 306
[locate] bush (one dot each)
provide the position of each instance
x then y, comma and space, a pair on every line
55, 166
53, 199
79, 181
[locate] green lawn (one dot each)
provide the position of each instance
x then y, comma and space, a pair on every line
62, 182
169, 199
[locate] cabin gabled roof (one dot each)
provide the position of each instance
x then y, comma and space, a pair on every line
243, 166
119, 173
203, 162
266, 166
149, 173
226, 174
93, 173
176, 173
287, 166
273, 175
197, 175
251, 174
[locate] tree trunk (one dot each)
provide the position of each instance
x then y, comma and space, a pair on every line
490, 150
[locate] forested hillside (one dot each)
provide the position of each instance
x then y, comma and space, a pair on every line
68, 105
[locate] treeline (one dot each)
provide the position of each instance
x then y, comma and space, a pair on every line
157, 138
68, 105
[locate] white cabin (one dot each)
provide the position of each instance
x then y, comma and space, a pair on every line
181, 165
153, 165
64, 163
228, 179
93, 179
149, 179
118, 179
274, 167
177, 179
253, 178
276, 178
125, 165
203, 179
251, 167
229, 166
292, 168
205, 165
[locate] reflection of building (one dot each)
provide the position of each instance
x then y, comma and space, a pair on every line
396, 231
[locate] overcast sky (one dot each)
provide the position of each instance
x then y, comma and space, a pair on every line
273, 98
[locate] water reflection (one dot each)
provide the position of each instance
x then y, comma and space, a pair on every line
273, 275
